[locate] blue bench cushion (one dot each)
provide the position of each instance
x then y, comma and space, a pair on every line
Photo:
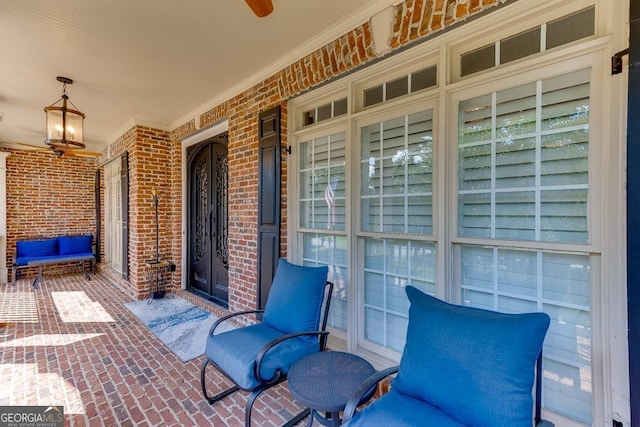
475, 365
295, 299
399, 410
236, 351
74, 244
36, 248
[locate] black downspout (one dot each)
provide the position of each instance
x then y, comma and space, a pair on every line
633, 212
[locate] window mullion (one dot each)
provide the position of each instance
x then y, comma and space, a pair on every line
538, 164
381, 161
495, 278
406, 174
539, 280
385, 307
494, 108
313, 183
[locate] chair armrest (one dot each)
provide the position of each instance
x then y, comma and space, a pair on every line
363, 390
229, 316
268, 346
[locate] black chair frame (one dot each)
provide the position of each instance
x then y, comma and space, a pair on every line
365, 388
279, 376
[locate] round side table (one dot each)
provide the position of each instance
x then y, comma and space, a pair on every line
325, 381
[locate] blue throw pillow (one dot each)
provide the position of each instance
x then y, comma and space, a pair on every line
70, 245
37, 248
295, 298
476, 365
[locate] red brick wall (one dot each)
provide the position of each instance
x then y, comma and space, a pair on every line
48, 196
150, 169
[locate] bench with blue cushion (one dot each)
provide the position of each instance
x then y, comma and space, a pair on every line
461, 366
56, 250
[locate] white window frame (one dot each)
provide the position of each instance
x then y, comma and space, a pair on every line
607, 233
420, 102
587, 58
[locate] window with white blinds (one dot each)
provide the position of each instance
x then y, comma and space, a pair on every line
396, 197
330, 250
322, 207
396, 175
322, 187
523, 176
389, 266
523, 162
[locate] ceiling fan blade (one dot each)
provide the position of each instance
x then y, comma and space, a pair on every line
261, 8
23, 144
58, 151
87, 153
76, 153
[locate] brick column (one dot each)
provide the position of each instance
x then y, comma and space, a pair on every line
3, 217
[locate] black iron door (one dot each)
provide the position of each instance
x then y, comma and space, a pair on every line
208, 202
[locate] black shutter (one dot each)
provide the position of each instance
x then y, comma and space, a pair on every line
98, 216
124, 194
269, 159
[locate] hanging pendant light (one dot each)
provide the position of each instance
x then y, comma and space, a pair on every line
64, 124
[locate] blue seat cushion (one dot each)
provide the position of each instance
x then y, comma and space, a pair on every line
399, 410
68, 245
475, 365
295, 299
36, 248
27, 260
235, 353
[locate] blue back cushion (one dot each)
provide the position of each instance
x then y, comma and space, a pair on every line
37, 248
296, 297
476, 365
69, 245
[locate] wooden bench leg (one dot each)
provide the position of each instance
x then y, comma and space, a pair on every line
37, 281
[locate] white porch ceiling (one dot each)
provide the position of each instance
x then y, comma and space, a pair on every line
156, 62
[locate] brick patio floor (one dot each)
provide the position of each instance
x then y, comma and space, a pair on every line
73, 343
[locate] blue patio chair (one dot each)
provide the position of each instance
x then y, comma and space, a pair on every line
461, 366
258, 356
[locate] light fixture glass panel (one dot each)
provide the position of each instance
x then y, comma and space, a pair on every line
54, 124
74, 128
